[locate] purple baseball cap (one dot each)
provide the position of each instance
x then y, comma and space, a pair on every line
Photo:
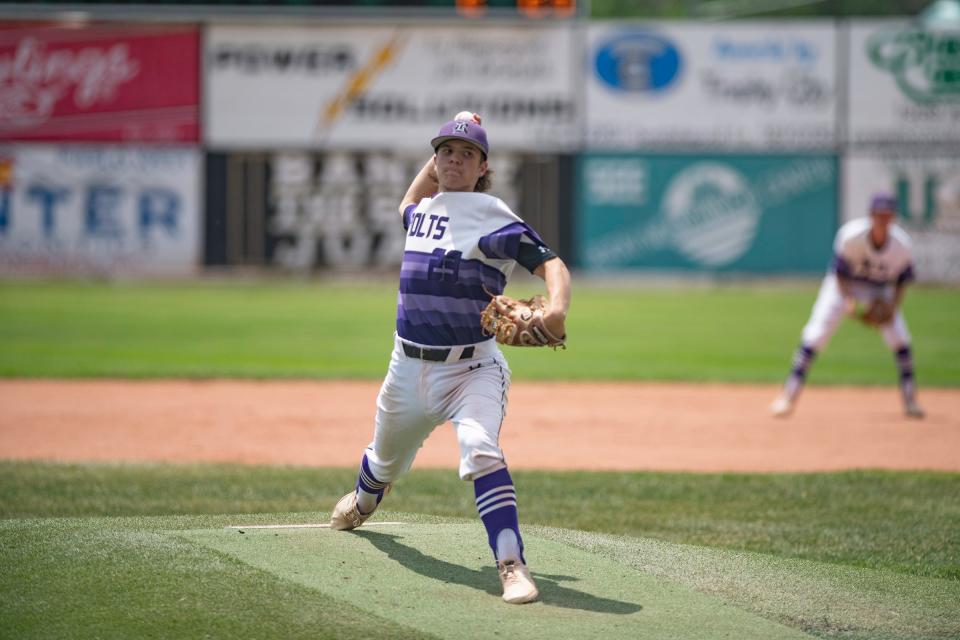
462, 130
883, 202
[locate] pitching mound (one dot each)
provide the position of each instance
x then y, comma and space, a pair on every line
438, 578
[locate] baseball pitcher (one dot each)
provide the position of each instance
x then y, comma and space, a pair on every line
461, 248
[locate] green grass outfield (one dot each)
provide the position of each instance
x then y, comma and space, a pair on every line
343, 330
120, 551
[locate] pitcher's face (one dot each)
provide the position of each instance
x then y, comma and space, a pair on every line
459, 165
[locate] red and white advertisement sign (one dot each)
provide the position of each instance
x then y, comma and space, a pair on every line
99, 83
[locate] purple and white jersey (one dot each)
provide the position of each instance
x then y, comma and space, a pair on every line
855, 257
459, 247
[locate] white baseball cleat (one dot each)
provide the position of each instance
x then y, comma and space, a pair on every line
346, 515
782, 406
518, 586
912, 409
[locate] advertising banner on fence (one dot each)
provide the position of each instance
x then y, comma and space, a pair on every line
904, 83
753, 214
304, 211
99, 210
928, 191
99, 83
388, 88
749, 85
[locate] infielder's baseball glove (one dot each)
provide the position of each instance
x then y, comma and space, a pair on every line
519, 323
877, 314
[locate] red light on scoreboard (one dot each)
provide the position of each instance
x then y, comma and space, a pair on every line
529, 8
546, 8
471, 8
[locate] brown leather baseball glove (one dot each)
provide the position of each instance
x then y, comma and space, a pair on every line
519, 323
878, 313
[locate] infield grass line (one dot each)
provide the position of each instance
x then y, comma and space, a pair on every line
908, 522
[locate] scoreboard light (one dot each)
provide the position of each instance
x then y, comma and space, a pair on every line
528, 8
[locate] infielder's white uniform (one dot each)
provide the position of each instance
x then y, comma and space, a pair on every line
460, 249
871, 272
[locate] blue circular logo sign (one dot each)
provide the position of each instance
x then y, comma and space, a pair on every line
638, 62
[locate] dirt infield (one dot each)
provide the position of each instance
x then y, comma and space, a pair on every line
622, 426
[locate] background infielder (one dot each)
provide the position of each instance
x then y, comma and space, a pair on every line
461, 247
872, 265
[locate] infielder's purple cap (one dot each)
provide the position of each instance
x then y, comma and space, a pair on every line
883, 202
462, 130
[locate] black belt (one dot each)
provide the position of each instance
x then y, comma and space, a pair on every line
433, 355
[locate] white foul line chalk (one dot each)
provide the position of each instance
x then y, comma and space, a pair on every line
301, 526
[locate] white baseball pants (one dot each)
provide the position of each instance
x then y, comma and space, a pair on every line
829, 309
418, 395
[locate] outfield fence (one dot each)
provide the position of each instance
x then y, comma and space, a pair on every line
142, 148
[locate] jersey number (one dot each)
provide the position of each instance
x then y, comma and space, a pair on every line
444, 265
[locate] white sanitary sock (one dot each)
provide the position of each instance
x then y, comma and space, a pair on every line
366, 502
508, 547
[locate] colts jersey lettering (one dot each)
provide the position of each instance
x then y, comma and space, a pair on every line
856, 258
459, 247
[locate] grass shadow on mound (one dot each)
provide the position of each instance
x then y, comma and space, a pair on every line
485, 579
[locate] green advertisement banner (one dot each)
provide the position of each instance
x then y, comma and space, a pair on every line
756, 214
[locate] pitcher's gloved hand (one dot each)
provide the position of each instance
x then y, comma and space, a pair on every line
519, 323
